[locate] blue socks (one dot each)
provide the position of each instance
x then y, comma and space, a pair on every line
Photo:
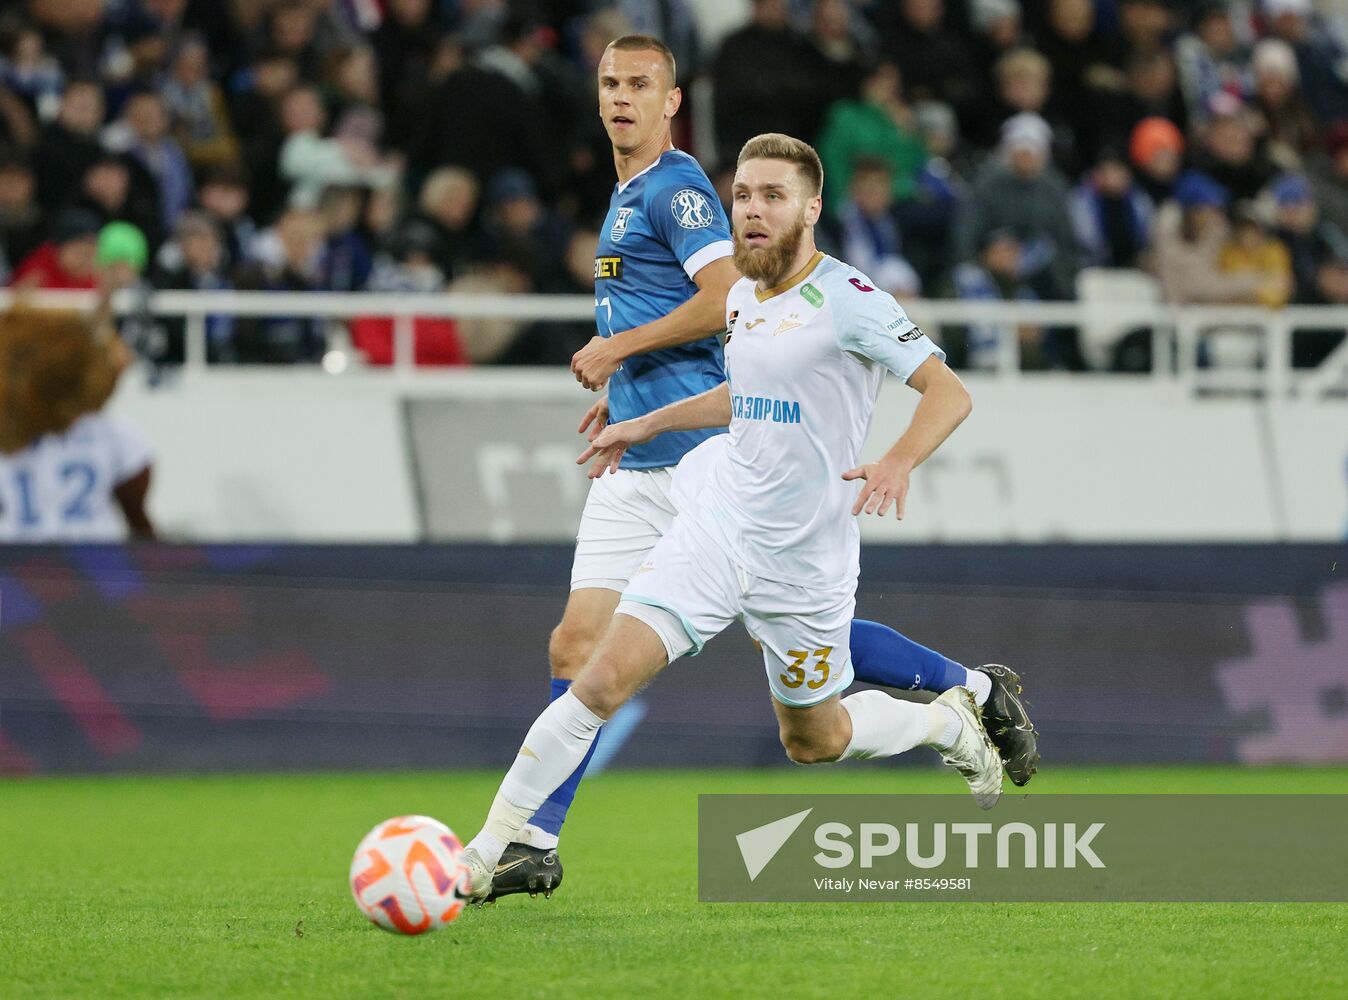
552, 813
884, 657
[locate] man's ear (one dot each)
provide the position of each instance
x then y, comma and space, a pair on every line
673, 101
813, 210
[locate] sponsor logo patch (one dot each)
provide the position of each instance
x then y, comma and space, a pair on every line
610, 268
812, 295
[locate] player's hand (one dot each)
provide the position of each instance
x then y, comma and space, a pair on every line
610, 444
596, 419
886, 483
594, 363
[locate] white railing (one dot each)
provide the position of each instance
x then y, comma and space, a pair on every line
1177, 332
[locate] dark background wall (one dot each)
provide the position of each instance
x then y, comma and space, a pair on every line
242, 657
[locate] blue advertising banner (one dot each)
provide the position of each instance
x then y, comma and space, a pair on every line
165, 657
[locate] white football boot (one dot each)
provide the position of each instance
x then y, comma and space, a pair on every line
972, 753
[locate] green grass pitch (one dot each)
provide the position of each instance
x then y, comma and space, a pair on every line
236, 887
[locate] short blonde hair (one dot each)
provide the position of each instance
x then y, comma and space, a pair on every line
1023, 61
776, 146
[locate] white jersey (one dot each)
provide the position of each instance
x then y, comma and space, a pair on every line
60, 488
805, 363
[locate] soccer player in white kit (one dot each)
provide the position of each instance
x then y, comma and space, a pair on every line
770, 537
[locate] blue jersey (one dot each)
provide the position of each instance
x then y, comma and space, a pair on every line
663, 226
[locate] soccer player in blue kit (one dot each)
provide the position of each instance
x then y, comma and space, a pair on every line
663, 269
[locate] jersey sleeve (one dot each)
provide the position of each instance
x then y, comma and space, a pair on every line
869, 323
687, 215
131, 449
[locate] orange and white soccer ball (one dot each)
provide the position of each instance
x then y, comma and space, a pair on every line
407, 876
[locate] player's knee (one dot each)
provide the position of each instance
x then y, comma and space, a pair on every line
569, 647
803, 749
603, 688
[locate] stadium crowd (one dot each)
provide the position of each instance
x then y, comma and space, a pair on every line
974, 149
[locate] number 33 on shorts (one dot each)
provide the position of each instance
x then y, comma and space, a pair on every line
794, 675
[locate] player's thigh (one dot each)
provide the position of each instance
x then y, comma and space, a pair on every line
625, 514
628, 657
806, 640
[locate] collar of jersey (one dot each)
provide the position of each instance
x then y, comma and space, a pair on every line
624, 185
792, 281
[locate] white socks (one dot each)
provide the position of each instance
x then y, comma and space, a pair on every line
979, 683
885, 727
554, 747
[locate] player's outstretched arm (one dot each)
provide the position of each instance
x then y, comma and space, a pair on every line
701, 316
707, 409
945, 404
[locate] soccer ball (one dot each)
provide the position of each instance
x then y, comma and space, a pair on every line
407, 876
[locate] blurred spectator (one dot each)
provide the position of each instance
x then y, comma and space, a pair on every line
1324, 78
1024, 82
30, 72
761, 81
117, 188
407, 265
521, 229
1022, 191
1212, 59
561, 98
347, 257
195, 260
878, 125
293, 263
997, 31
224, 196
197, 108
67, 259
1251, 250
1313, 242
448, 202
869, 231
255, 109
839, 55
996, 273
1152, 91
405, 44
1144, 26
1229, 152
1190, 233
1289, 131
1112, 216
463, 130
143, 133
1156, 150
554, 342
312, 163
69, 145
936, 62
21, 225
1083, 57
352, 81
1329, 177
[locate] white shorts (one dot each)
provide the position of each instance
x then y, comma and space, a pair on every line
689, 589
625, 514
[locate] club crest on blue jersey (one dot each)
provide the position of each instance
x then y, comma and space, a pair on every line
691, 209
619, 229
